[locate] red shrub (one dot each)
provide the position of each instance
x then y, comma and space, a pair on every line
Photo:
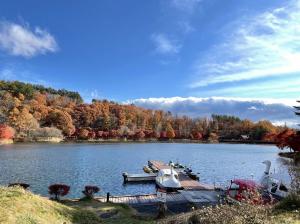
58, 190
89, 191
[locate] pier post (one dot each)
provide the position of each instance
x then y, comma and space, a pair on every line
107, 197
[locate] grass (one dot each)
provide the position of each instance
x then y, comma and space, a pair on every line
237, 214
120, 213
18, 206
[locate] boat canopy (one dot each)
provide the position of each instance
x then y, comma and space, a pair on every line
246, 184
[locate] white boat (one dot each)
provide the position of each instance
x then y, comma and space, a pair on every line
168, 179
278, 188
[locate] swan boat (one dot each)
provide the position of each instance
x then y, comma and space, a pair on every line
168, 179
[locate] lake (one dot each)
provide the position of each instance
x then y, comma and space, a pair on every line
102, 164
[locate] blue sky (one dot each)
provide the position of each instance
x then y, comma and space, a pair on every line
128, 50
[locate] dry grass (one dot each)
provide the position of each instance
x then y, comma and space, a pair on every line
236, 214
22, 207
18, 206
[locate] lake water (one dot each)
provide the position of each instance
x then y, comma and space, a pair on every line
102, 164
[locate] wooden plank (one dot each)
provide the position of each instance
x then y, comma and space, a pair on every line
158, 164
188, 183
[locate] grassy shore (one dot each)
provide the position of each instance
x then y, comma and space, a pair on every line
22, 207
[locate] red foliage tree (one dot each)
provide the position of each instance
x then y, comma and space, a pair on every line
113, 133
89, 191
163, 134
83, 134
139, 135
99, 134
6, 132
58, 190
105, 134
92, 134
288, 139
269, 137
197, 136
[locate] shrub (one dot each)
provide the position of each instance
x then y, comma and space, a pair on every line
291, 202
58, 190
23, 185
89, 191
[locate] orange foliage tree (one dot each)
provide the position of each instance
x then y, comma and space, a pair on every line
6, 132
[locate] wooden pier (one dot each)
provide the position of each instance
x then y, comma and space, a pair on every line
142, 199
183, 196
138, 177
186, 182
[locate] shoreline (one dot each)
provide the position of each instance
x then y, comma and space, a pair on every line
187, 141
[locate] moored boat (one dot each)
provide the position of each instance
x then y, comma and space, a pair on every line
147, 169
168, 179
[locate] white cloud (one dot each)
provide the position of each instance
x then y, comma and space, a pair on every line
185, 5
275, 110
264, 46
20, 40
165, 45
280, 87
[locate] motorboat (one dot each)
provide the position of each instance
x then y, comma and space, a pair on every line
271, 183
191, 174
168, 179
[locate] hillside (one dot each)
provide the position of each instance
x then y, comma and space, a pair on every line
36, 112
20, 206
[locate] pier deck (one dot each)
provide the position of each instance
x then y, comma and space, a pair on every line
143, 199
186, 182
199, 196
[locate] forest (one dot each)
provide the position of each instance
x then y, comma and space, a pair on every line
30, 111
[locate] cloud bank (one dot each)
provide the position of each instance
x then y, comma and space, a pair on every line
277, 111
20, 40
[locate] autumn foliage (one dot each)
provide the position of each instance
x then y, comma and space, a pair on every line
29, 109
288, 139
90, 191
6, 132
58, 190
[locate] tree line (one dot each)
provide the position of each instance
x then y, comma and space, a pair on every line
34, 110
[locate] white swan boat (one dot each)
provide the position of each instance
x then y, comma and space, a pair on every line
278, 188
168, 179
